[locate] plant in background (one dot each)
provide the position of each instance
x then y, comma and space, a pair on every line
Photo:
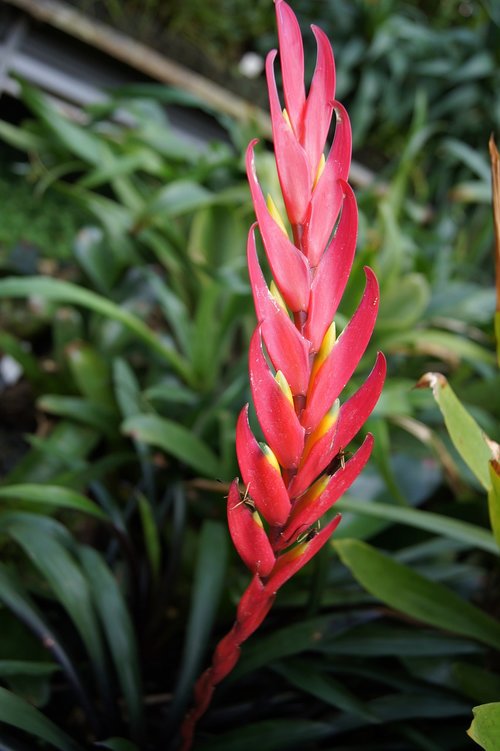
293, 479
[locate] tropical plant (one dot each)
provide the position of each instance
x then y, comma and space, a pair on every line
391, 634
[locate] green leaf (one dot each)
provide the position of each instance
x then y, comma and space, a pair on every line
207, 339
52, 495
386, 640
436, 523
66, 292
170, 392
473, 158
80, 410
174, 310
494, 498
14, 596
20, 714
116, 219
310, 635
21, 138
175, 440
270, 735
442, 344
127, 390
325, 688
10, 668
497, 334
406, 591
117, 744
91, 373
94, 254
403, 303
485, 728
180, 197
478, 684
115, 618
44, 542
209, 579
151, 534
468, 438
76, 139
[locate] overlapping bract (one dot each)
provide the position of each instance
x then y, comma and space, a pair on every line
298, 366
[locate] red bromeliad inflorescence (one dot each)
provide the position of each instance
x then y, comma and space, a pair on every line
298, 366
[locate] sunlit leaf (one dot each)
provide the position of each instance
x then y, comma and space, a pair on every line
485, 728
468, 438
494, 498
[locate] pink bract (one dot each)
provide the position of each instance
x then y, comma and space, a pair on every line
298, 366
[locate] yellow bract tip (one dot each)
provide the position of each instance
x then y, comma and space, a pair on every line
327, 345
321, 167
273, 210
257, 519
284, 386
270, 456
287, 119
328, 420
273, 289
315, 491
323, 427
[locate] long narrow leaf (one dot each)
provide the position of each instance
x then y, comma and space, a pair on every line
405, 590
270, 735
207, 588
66, 292
174, 439
14, 597
438, 524
42, 541
117, 625
324, 688
20, 714
45, 496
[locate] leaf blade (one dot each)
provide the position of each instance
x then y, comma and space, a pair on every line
408, 592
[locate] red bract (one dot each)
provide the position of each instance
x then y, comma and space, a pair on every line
298, 365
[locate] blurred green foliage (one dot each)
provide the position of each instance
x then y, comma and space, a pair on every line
133, 341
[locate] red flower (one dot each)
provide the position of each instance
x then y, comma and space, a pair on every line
298, 365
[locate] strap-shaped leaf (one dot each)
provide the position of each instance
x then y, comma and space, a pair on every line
174, 439
117, 625
20, 714
46, 543
409, 592
45, 496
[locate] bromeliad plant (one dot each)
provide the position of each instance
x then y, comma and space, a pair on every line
298, 367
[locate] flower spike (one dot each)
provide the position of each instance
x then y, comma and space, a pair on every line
298, 365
